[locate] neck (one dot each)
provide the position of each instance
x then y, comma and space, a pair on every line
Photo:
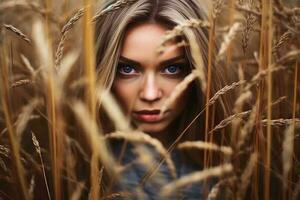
167, 136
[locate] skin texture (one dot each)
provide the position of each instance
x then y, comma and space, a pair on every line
145, 79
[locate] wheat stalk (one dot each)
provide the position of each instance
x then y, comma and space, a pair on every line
12, 4
228, 38
288, 57
3, 165
113, 110
247, 10
179, 29
279, 100
17, 32
287, 152
247, 128
43, 47
282, 40
266, 59
94, 136
28, 65
183, 43
199, 63
224, 90
213, 194
31, 187
248, 27
38, 150
24, 116
78, 191
218, 189
207, 89
241, 100
4, 150
67, 63
246, 176
126, 195
280, 122
295, 93
90, 97
205, 145
178, 90
45, 12
22, 82
260, 76
4, 89
229, 119
64, 32
217, 8
113, 7
53, 100
196, 177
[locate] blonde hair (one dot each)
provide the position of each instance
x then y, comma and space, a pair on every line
112, 26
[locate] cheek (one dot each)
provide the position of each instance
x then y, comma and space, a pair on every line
169, 85
125, 93
180, 103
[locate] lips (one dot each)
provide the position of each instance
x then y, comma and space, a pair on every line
148, 115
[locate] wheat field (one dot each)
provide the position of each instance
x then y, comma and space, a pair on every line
52, 145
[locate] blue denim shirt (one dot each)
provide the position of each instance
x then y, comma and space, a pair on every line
134, 172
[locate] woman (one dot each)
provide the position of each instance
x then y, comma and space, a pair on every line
141, 79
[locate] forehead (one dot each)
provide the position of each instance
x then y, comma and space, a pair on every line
142, 41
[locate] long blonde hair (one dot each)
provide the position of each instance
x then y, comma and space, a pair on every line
109, 34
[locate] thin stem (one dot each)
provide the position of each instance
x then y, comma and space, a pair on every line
209, 78
18, 167
44, 175
294, 113
90, 96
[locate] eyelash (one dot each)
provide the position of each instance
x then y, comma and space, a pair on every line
134, 71
121, 69
179, 69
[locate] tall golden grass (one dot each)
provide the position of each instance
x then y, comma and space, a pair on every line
51, 141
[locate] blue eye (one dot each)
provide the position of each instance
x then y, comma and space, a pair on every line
126, 69
172, 69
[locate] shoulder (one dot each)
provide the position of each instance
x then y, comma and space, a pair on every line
188, 169
145, 172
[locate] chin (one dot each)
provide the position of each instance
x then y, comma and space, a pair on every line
152, 128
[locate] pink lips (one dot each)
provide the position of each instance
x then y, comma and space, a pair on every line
148, 115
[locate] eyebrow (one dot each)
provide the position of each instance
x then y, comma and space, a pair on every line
129, 61
173, 60
165, 62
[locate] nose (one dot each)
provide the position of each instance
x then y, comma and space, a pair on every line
150, 89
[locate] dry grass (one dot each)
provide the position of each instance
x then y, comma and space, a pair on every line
178, 31
202, 145
18, 32
118, 4
114, 111
64, 33
52, 143
196, 177
179, 89
246, 176
13, 142
228, 39
38, 150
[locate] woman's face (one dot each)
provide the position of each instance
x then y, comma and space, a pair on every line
145, 79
